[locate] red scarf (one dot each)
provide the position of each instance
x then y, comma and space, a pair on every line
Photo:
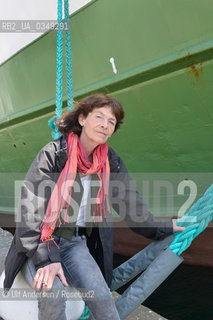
61, 195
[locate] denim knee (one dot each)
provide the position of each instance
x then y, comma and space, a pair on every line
103, 296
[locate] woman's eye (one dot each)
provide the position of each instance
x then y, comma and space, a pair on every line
112, 123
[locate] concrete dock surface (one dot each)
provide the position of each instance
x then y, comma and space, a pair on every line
141, 313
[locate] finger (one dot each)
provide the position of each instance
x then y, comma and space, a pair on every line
45, 282
62, 277
51, 279
43, 277
36, 278
181, 228
38, 281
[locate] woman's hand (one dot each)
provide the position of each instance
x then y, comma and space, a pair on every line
45, 276
175, 227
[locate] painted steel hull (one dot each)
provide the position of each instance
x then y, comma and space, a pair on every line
128, 243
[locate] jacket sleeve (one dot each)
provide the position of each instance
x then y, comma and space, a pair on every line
130, 205
35, 193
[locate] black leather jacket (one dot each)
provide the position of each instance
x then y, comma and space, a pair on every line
47, 166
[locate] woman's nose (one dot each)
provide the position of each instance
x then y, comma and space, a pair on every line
104, 123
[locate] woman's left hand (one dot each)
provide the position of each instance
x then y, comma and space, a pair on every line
175, 227
45, 276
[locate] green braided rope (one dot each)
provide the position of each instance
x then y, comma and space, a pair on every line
68, 57
59, 77
195, 221
85, 314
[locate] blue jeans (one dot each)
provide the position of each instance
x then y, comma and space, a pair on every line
81, 271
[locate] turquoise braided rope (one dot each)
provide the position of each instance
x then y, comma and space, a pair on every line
59, 77
68, 57
59, 62
195, 221
86, 314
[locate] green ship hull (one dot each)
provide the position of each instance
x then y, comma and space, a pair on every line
163, 55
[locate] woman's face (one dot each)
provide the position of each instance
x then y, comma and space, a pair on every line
98, 126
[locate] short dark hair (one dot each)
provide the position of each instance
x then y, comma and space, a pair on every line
69, 122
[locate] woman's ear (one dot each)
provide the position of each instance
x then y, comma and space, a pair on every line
81, 119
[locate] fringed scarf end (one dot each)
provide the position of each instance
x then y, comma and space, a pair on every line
47, 240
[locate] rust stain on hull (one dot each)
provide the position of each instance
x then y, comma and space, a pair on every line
194, 71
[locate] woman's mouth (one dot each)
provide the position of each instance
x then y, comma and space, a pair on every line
102, 133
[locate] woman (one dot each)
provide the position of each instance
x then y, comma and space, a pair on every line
67, 231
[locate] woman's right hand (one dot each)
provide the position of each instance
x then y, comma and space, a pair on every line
45, 276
